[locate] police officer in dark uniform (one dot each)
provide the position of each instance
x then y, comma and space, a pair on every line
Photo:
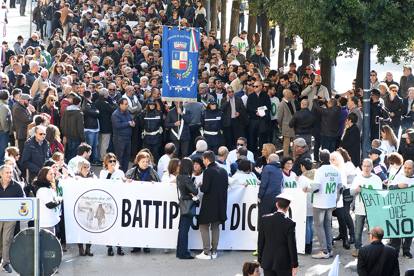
277, 253
211, 123
152, 124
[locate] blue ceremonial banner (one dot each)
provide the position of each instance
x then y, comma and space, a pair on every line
180, 63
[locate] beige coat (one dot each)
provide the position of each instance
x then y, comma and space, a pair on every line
283, 118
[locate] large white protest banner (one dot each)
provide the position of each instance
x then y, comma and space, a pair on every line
145, 214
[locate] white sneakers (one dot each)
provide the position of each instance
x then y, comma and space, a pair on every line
203, 256
321, 255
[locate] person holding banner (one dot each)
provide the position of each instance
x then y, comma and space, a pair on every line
142, 172
84, 171
402, 181
368, 180
111, 171
187, 197
8, 188
178, 122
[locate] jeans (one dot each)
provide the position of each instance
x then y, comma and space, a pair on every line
323, 227
122, 146
205, 236
182, 240
328, 142
309, 230
48, 28
359, 228
241, 22
22, 7
4, 142
104, 139
273, 37
71, 148
92, 140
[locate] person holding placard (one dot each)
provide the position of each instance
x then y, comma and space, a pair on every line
369, 180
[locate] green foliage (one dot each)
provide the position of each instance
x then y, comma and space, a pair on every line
341, 26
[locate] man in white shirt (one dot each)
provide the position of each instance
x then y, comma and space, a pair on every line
326, 189
83, 154
241, 43
232, 157
368, 180
162, 165
402, 181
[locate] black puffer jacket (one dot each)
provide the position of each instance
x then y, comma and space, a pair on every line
329, 119
91, 115
302, 121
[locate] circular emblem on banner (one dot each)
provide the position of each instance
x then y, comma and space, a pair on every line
95, 211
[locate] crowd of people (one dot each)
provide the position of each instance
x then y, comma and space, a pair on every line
85, 90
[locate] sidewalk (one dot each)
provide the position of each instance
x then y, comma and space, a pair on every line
18, 25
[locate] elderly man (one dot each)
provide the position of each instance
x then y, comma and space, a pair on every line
270, 186
300, 152
285, 112
377, 258
402, 181
8, 188
106, 108
22, 112
364, 179
134, 108
36, 151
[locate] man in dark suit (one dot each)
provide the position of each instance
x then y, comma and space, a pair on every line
377, 259
213, 211
234, 118
277, 252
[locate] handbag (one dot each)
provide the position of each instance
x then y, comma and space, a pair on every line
187, 206
346, 195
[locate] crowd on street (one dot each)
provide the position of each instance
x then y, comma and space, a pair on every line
85, 90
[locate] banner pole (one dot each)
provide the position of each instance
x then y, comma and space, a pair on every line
36, 239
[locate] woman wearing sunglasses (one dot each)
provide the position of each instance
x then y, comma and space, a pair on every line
111, 171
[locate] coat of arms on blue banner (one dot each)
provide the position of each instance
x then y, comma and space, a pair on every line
180, 63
